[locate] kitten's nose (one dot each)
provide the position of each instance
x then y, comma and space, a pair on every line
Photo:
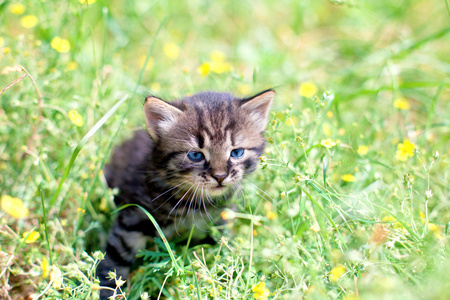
219, 177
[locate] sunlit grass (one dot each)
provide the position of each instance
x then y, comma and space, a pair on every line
351, 200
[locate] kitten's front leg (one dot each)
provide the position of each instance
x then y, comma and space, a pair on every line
127, 236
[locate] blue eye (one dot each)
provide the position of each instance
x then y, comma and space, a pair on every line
196, 156
237, 153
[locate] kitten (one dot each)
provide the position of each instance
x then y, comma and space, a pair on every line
194, 156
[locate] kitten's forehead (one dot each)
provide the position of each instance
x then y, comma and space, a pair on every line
211, 118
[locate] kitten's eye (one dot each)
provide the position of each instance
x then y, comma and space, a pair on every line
237, 153
196, 156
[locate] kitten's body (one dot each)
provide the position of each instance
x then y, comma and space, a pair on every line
198, 151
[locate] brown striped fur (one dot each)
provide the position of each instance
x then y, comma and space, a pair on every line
155, 170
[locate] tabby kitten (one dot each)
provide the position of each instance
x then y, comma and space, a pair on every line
193, 158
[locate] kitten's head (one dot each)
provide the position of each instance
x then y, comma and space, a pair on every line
209, 141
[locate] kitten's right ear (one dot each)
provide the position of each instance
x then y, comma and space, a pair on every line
159, 116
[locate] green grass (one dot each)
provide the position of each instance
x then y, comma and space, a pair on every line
300, 227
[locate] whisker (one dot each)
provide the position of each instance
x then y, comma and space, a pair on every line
169, 190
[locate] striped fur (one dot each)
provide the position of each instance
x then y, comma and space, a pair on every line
155, 170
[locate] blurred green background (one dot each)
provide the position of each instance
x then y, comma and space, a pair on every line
356, 169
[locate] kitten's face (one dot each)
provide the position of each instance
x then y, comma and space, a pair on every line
208, 142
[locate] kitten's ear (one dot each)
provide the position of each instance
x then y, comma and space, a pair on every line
159, 116
257, 108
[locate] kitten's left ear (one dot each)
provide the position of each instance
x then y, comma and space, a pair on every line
257, 108
159, 116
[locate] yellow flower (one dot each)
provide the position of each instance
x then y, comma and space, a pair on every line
328, 143
228, 214
329, 114
336, 273
45, 267
217, 56
6, 50
28, 21
436, 229
244, 89
89, 2
391, 219
204, 69
220, 67
401, 103
171, 50
30, 237
56, 277
60, 45
348, 178
260, 291
307, 89
150, 62
75, 117
405, 150
2, 41
363, 150
14, 207
17, 8
72, 66
271, 215
155, 87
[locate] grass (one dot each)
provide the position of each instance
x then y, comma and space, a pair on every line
351, 200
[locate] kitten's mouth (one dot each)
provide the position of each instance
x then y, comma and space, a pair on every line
217, 190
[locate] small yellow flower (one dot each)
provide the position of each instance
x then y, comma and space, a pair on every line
155, 87
328, 143
228, 214
17, 8
405, 150
341, 131
75, 117
244, 89
150, 63
60, 45
220, 67
436, 229
336, 273
224, 215
254, 232
72, 66
363, 150
14, 207
401, 103
30, 237
348, 178
392, 220
45, 267
271, 215
80, 210
56, 277
6, 50
260, 291
204, 69
283, 195
28, 21
89, 2
217, 56
171, 50
329, 114
307, 89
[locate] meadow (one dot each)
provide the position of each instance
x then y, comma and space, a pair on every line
351, 200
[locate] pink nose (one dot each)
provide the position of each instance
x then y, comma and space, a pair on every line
219, 177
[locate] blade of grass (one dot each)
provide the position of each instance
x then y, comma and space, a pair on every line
45, 227
113, 138
160, 232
